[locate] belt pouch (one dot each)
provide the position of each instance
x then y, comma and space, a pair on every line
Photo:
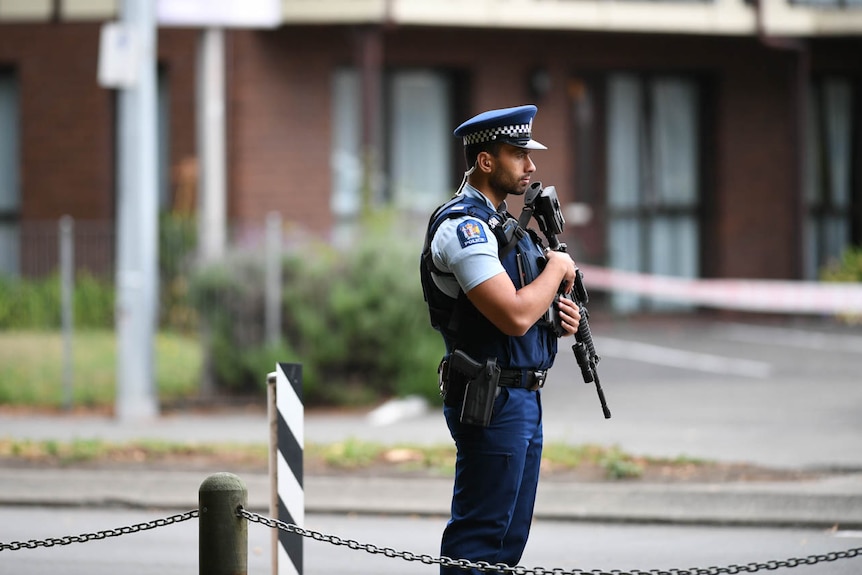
480, 394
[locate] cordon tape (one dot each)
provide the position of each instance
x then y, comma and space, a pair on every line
773, 296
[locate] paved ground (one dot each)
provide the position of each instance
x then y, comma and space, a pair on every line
769, 393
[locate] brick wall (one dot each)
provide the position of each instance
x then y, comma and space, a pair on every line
279, 135
67, 128
67, 138
758, 196
279, 127
281, 113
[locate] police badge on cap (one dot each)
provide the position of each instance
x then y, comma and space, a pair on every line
511, 126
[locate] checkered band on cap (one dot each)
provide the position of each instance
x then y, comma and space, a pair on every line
512, 126
514, 131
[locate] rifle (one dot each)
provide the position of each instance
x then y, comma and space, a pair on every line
544, 206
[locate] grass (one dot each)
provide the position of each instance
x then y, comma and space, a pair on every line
31, 368
610, 462
348, 456
87, 451
353, 456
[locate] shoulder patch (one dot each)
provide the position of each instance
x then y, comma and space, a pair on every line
471, 232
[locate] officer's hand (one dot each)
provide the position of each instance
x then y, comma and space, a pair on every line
567, 265
570, 315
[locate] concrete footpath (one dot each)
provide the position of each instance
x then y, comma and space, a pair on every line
834, 500
825, 503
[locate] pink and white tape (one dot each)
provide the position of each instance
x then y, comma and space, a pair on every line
774, 296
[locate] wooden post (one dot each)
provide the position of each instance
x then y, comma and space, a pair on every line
223, 534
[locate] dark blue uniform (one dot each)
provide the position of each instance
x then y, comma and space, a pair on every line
497, 467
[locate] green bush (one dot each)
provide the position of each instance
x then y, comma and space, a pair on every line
177, 248
847, 269
356, 321
29, 304
229, 296
94, 302
36, 303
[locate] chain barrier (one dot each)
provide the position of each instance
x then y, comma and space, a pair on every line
482, 566
99, 535
485, 567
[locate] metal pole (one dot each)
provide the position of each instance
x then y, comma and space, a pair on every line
67, 287
212, 205
137, 226
272, 311
212, 159
222, 534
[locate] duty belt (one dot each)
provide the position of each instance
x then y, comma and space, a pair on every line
525, 378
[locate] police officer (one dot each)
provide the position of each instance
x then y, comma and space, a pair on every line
489, 285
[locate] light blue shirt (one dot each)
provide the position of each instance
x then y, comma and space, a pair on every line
467, 248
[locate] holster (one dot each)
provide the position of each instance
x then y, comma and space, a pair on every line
470, 383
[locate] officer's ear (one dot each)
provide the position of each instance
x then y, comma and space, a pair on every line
483, 161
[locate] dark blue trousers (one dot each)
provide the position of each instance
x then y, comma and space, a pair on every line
496, 474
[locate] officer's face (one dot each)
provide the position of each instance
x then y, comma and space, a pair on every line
512, 168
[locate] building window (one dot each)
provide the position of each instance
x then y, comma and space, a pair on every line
653, 176
420, 140
346, 160
830, 173
415, 157
10, 193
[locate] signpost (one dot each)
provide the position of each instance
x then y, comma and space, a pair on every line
137, 222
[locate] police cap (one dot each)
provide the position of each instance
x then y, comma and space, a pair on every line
511, 126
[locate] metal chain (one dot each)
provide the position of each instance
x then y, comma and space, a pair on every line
98, 535
482, 566
486, 567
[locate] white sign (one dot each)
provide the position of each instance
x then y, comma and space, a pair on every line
118, 56
219, 13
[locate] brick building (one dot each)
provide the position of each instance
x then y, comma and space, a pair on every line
697, 139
